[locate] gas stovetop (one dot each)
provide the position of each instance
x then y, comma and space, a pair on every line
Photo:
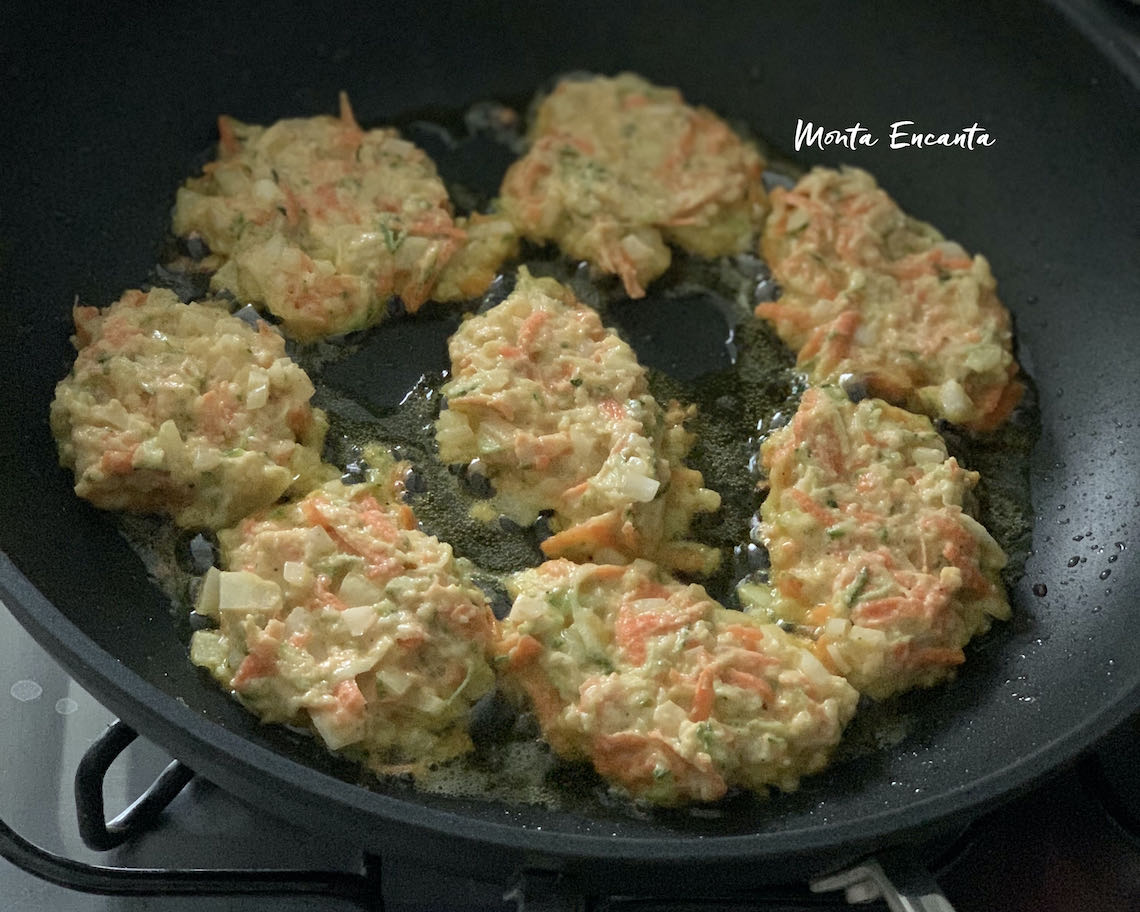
1069, 844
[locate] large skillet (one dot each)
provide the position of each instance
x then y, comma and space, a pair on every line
104, 116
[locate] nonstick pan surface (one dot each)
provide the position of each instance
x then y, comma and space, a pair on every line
105, 114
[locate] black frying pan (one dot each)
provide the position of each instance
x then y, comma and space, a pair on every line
105, 115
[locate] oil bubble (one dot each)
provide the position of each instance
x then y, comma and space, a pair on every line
25, 691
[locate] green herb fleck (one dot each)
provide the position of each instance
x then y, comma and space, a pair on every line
392, 239
856, 588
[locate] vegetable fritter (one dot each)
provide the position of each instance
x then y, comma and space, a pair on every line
618, 167
185, 410
336, 612
670, 695
871, 546
555, 411
323, 223
870, 291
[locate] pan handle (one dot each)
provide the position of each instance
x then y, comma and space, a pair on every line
360, 889
363, 889
94, 829
895, 877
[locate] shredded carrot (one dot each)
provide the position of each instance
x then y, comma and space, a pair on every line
892, 386
633, 627
649, 589
253, 666
603, 531
752, 636
329, 199
530, 327
349, 697
613, 258
818, 615
633, 759
790, 586
746, 681
680, 153
820, 651
704, 696
794, 198
613, 409
324, 596
926, 262
84, 317
118, 462
217, 408
117, 330
547, 703
780, 313
406, 516
346, 115
994, 416
881, 610
314, 516
437, 223
753, 661
378, 520
811, 507
292, 206
832, 341
227, 137
525, 650
411, 640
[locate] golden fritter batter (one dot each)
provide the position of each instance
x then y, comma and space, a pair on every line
871, 546
323, 223
186, 410
337, 613
670, 696
871, 292
557, 412
618, 167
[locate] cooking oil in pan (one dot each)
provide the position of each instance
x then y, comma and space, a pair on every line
697, 336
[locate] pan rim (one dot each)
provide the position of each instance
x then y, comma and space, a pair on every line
158, 715
129, 694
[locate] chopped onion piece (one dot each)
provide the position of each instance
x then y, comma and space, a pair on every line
394, 680
869, 635
836, 627
295, 572
257, 388
207, 605
356, 589
813, 668
639, 488
334, 733
245, 593
358, 618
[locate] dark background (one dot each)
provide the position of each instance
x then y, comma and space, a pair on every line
108, 107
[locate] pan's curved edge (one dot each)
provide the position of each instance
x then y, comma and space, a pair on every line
1114, 31
259, 773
